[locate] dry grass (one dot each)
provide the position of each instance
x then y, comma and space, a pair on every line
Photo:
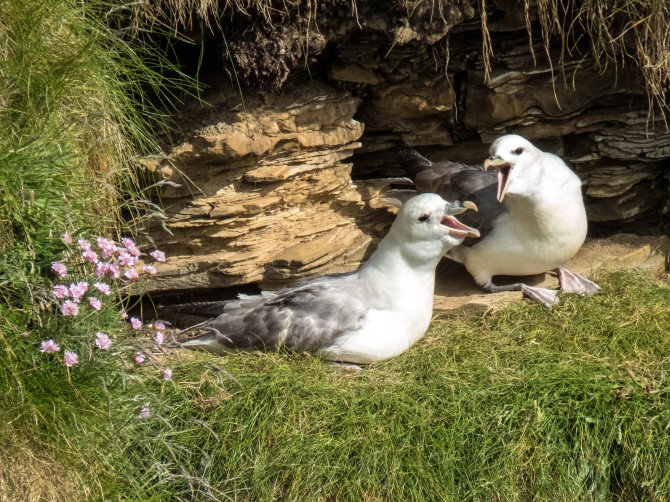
630, 32
34, 475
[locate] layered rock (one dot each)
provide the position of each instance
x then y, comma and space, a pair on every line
597, 118
266, 193
615, 150
261, 194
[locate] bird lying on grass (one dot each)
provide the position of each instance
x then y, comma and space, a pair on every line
533, 222
372, 314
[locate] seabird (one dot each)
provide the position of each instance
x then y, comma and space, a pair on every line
372, 314
531, 221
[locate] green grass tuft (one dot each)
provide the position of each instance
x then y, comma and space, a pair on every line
74, 115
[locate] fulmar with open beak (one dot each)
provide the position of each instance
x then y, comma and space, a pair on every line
372, 314
531, 214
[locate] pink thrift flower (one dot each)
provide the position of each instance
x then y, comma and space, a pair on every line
159, 338
158, 255
69, 308
94, 302
103, 243
70, 358
130, 246
167, 374
126, 259
49, 347
78, 290
159, 325
135, 323
131, 274
102, 341
124, 315
67, 238
101, 269
145, 412
107, 247
59, 291
84, 245
114, 270
149, 269
102, 288
139, 358
90, 256
59, 268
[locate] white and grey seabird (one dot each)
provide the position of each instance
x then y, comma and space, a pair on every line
532, 222
373, 314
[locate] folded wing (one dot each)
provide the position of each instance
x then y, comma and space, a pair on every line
305, 318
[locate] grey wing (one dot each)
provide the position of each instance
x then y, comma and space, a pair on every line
306, 318
457, 181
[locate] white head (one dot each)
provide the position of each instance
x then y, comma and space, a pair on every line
519, 164
426, 229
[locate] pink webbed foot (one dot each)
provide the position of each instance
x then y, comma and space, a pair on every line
571, 282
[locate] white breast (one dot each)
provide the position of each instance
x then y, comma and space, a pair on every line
390, 331
385, 335
528, 241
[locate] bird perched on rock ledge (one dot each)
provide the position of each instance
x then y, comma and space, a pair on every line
532, 222
373, 314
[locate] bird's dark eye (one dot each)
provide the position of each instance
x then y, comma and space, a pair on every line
518, 151
424, 218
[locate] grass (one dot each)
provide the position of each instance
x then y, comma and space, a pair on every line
74, 115
518, 404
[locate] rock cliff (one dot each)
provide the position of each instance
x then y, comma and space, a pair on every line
285, 181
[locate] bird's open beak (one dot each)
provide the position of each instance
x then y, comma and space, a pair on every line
504, 171
456, 228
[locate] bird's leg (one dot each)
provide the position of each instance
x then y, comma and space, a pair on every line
544, 296
571, 282
348, 366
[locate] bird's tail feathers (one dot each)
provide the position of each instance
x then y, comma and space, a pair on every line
212, 340
208, 342
208, 309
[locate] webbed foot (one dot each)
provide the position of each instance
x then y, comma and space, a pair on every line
571, 282
544, 296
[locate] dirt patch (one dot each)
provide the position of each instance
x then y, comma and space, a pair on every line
263, 45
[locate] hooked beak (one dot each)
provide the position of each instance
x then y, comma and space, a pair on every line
456, 228
504, 171
460, 207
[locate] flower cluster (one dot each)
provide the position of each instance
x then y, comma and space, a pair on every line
107, 265
91, 271
111, 261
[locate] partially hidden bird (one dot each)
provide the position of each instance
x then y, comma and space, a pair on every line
531, 214
372, 314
